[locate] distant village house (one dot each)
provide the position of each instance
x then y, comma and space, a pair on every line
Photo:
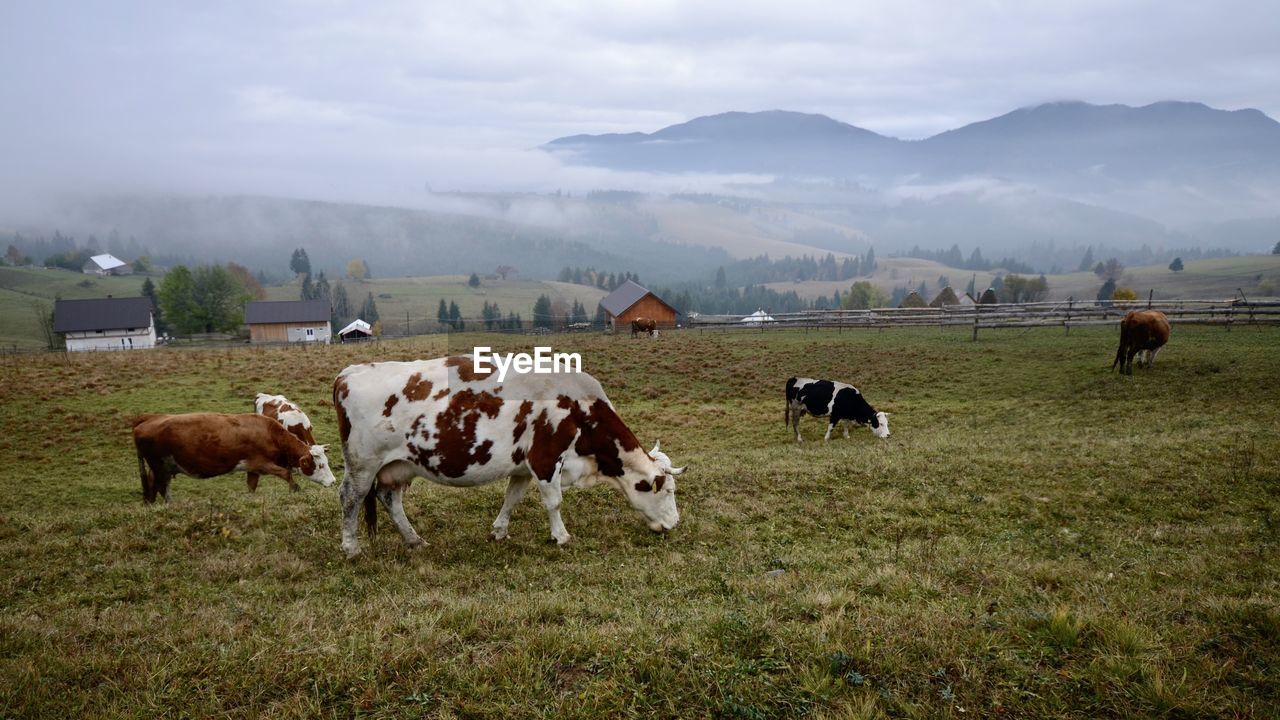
105, 323
288, 321
631, 301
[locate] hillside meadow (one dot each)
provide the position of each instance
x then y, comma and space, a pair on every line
1038, 538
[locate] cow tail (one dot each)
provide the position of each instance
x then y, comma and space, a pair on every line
1120, 350
791, 384
371, 510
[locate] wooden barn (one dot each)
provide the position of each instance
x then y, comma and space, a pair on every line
288, 321
631, 301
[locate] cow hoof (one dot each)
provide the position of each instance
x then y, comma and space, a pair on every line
415, 544
562, 540
498, 535
351, 552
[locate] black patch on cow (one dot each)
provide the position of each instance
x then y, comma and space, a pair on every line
816, 396
850, 405
644, 486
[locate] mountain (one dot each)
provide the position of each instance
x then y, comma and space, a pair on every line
771, 142
1176, 162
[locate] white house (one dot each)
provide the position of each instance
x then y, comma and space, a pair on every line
759, 317
105, 323
106, 264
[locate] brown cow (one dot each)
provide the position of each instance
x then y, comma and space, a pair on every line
287, 413
203, 445
1141, 330
647, 325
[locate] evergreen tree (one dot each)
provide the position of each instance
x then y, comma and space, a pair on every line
1176, 265
341, 307
601, 319
720, 279
322, 290
542, 317
149, 292
300, 264
1106, 291
1086, 263
442, 314
308, 289
869, 264
455, 317
474, 280
369, 311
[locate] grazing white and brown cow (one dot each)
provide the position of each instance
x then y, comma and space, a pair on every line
288, 414
442, 420
203, 445
836, 401
1141, 331
645, 325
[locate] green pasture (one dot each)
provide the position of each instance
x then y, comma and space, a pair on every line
1039, 537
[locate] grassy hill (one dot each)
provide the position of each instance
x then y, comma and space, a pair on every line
1257, 275
1039, 538
23, 291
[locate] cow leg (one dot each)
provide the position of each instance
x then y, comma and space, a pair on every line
352, 493
830, 426
251, 480
391, 499
1151, 357
549, 488
288, 477
847, 423
281, 472
795, 423
516, 488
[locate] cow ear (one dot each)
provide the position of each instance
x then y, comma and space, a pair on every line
677, 471
656, 447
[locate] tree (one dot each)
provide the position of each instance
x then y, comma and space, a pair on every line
869, 264
442, 313
246, 278
1018, 289
177, 289
863, 295
341, 313
455, 317
1124, 294
322, 290
1086, 263
357, 269
149, 292
601, 319
1176, 265
300, 264
143, 264
720, 279
218, 299
308, 291
542, 317
1109, 270
1276, 250
1105, 292
369, 311
15, 257
44, 318
474, 280
504, 270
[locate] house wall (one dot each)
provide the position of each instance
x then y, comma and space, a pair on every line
139, 339
290, 332
646, 307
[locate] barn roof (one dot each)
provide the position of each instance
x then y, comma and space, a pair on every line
357, 325
286, 311
628, 293
101, 314
107, 261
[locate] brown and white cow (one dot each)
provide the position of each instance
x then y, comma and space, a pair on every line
203, 445
645, 325
1141, 331
288, 414
442, 420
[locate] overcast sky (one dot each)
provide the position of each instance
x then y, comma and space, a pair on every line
370, 101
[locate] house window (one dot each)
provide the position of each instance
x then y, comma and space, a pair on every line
311, 332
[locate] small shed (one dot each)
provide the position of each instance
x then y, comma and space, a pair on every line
105, 323
288, 321
912, 300
631, 301
358, 330
946, 297
106, 264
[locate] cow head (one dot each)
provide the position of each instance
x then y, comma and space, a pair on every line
649, 482
880, 426
315, 466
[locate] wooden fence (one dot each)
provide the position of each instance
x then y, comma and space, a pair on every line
1065, 314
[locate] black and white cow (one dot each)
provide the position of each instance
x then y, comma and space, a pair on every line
836, 401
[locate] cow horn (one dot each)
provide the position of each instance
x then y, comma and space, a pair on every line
677, 471
656, 446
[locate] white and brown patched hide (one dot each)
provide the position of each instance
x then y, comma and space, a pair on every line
441, 420
287, 413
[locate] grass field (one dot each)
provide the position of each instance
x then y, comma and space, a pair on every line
1038, 538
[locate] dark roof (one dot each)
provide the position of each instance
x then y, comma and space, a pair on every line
101, 314
627, 294
286, 311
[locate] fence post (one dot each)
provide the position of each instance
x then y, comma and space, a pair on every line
1067, 324
976, 308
